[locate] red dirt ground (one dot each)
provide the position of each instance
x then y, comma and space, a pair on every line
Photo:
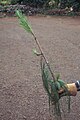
22, 96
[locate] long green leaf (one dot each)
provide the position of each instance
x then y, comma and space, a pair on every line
23, 21
45, 80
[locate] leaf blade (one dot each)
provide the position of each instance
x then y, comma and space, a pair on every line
24, 22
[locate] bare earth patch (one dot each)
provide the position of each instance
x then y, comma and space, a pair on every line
22, 96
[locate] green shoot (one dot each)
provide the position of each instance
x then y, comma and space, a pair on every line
35, 52
51, 84
24, 22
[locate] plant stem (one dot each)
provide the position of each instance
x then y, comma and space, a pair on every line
38, 44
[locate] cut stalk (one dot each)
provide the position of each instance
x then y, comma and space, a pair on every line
55, 88
42, 53
24, 23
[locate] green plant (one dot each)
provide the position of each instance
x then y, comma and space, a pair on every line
5, 2
51, 83
14, 2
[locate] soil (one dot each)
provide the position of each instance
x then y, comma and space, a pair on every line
22, 96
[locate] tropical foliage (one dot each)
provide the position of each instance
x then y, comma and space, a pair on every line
75, 4
62, 4
5, 2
